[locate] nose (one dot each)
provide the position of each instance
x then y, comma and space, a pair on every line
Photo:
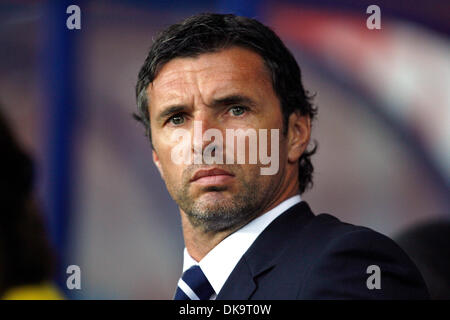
205, 128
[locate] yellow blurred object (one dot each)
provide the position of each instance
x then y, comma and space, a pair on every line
44, 291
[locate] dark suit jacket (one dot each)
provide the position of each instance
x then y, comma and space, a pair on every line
304, 256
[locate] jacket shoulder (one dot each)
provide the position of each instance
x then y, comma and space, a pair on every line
354, 262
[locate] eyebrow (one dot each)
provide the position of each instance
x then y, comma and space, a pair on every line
224, 101
169, 111
233, 99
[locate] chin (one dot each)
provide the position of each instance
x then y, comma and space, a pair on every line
211, 198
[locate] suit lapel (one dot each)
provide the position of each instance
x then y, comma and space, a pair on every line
264, 253
240, 285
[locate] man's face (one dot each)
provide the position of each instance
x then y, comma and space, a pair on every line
229, 89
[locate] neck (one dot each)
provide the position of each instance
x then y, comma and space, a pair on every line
199, 243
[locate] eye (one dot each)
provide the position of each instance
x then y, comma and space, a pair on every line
238, 110
177, 119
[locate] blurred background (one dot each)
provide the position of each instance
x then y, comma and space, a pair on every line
383, 126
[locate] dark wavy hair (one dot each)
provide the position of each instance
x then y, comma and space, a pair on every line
207, 32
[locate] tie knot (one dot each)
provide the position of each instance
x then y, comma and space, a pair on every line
194, 285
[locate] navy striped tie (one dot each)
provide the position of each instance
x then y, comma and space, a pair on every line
194, 285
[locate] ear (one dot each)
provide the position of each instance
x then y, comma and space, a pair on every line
157, 162
299, 133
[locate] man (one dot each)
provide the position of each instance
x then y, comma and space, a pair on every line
248, 234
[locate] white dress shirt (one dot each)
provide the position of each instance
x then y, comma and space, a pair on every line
218, 264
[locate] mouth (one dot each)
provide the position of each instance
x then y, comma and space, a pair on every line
213, 176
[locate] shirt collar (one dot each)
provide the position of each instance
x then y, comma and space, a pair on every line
218, 264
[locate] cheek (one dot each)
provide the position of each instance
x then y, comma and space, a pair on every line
170, 170
173, 178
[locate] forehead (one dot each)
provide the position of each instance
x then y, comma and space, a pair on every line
210, 74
